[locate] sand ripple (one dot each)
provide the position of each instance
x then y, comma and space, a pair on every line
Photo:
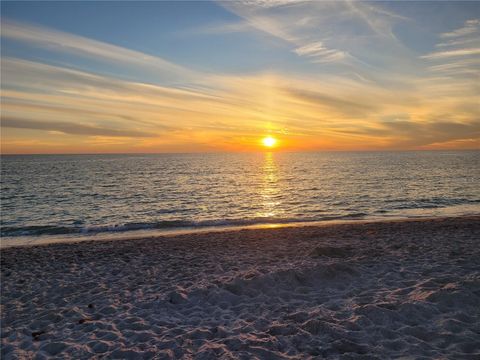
368, 291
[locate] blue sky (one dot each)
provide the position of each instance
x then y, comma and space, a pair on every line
214, 76
176, 31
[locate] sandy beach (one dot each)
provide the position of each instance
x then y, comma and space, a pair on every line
403, 289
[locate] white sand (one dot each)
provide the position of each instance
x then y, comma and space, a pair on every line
361, 291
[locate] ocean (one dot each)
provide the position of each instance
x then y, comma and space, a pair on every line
45, 195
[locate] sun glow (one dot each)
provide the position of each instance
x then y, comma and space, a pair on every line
269, 141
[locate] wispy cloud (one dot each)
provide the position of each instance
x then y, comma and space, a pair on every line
271, 17
459, 42
161, 117
379, 20
467, 36
470, 41
18, 72
336, 104
69, 128
452, 53
458, 60
471, 64
270, 3
414, 134
471, 27
319, 52
343, 103
322, 32
59, 41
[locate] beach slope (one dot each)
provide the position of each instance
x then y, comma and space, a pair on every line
351, 291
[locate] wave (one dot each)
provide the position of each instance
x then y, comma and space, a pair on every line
395, 208
428, 203
165, 225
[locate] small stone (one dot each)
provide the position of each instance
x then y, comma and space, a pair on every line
37, 333
176, 297
84, 320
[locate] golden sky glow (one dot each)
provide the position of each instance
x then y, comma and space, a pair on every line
364, 86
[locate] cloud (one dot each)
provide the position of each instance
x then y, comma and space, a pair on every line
455, 68
58, 41
467, 36
302, 31
379, 20
321, 54
455, 65
349, 108
341, 96
470, 27
461, 43
268, 4
21, 106
475, 41
404, 133
451, 53
16, 72
69, 128
338, 34
415, 134
230, 107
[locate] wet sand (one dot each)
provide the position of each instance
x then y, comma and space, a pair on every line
348, 291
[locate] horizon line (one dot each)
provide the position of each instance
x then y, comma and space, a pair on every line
238, 152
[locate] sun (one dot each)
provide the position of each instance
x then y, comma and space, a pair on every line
269, 141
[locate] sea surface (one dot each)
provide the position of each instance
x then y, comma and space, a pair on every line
90, 194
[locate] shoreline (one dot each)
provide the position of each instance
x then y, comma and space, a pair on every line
37, 240
371, 290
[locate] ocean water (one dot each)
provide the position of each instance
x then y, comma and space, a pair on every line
91, 194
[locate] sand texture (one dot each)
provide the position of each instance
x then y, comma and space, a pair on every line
407, 289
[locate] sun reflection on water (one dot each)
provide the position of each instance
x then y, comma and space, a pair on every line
269, 187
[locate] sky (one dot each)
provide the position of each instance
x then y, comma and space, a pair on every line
147, 77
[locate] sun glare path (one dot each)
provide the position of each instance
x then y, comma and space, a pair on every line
269, 141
